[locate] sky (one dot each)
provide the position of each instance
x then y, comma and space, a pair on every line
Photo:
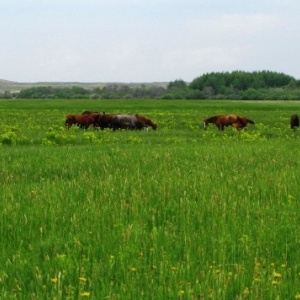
146, 40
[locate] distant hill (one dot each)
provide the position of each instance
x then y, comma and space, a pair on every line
5, 81
14, 87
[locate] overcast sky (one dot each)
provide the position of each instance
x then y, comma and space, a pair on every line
146, 40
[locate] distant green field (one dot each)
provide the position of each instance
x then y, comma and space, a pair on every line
177, 213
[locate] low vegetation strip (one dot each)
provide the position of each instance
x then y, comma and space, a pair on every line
238, 85
176, 213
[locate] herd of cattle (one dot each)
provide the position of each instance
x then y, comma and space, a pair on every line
240, 122
112, 121
138, 122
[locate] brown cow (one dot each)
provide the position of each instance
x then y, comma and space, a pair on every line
83, 121
222, 121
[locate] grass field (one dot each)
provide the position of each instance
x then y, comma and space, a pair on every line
177, 213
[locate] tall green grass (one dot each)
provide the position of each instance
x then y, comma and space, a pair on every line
180, 213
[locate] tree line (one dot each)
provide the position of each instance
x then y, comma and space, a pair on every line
236, 85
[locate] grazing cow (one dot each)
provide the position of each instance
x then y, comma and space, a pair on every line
146, 121
222, 121
104, 121
94, 119
294, 121
126, 122
83, 121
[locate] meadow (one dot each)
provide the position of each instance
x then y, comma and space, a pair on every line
177, 213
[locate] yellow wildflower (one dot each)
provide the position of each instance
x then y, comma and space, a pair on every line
82, 279
54, 280
85, 294
277, 275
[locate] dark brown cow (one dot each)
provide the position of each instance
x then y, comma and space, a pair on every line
104, 121
294, 121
